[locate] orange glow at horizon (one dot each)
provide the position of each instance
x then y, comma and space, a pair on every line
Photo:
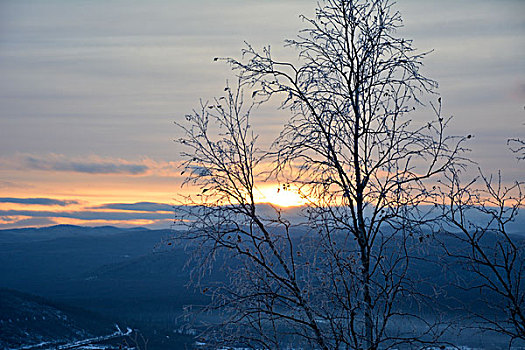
280, 197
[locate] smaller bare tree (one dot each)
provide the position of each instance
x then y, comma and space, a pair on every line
478, 220
517, 146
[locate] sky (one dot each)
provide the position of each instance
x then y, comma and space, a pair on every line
90, 91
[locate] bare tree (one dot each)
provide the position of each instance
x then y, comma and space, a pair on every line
345, 279
517, 146
477, 220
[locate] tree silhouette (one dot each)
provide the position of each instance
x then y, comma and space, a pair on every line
476, 223
345, 278
517, 146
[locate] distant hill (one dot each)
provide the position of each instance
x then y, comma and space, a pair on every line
38, 234
62, 254
123, 276
107, 268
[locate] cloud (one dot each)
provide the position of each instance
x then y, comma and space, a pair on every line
144, 214
88, 215
38, 201
98, 166
31, 222
140, 206
91, 164
9, 184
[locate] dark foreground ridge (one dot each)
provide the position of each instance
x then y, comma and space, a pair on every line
31, 322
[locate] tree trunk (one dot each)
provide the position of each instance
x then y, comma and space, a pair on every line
367, 299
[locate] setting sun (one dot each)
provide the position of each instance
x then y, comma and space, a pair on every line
280, 197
